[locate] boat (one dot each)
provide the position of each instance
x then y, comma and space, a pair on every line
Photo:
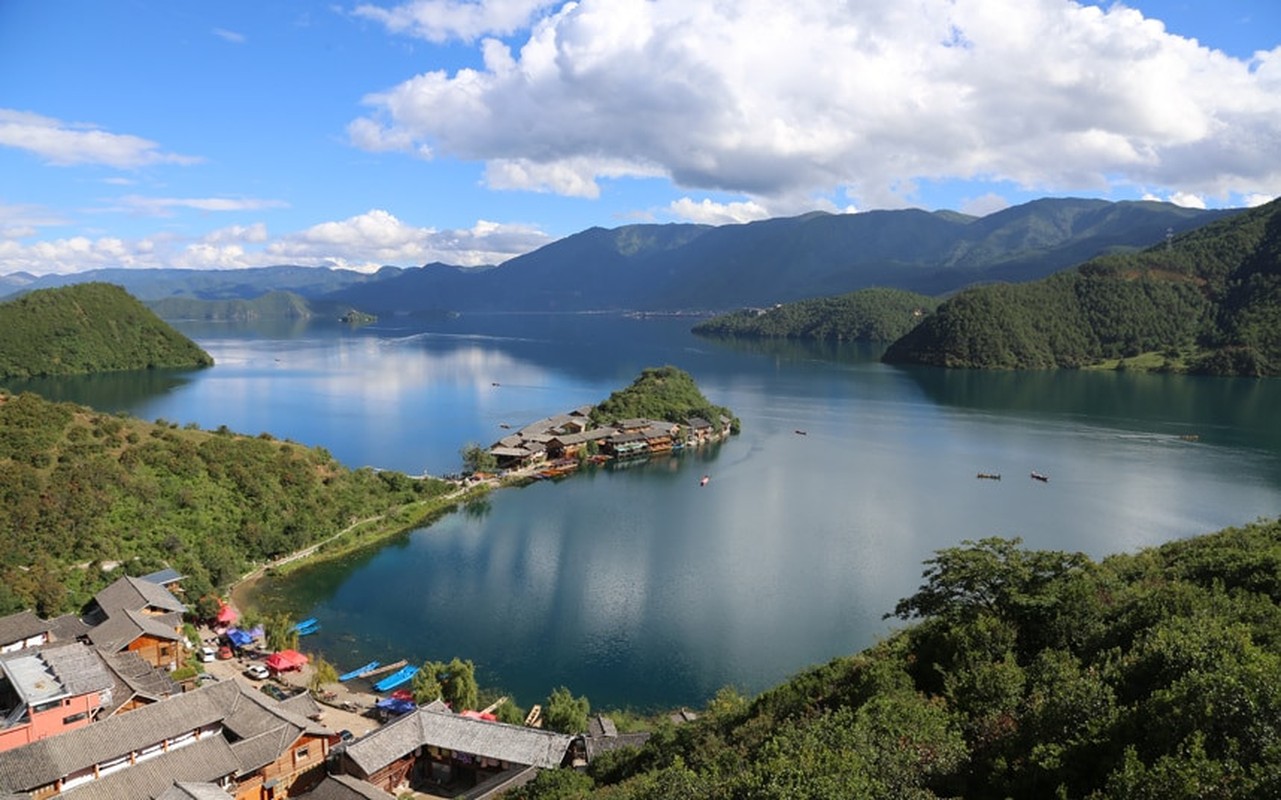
705, 479
1036, 476
991, 476
359, 671
800, 432
401, 676
307, 627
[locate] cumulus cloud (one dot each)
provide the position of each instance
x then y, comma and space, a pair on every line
165, 206
364, 242
864, 99
442, 20
65, 144
708, 212
377, 238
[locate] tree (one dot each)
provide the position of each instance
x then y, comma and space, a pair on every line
477, 458
322, 673
458, 684
426, 684
280, 633
566, 713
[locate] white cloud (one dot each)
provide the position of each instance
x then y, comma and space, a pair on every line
363, 242
164, 206
1255, 200
229, 36
65, 144
812, 97
985, 204
1187, 200
27, 217
708, 212
442, 20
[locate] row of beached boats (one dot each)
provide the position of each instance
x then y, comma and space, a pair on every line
996, 476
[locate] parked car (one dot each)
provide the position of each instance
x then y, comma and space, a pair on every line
345, 735
257, 672
207, 654
224, 653
274, 692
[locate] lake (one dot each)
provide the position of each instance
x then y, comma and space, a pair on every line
639, 587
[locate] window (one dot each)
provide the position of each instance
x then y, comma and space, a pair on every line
74, 718
300, 754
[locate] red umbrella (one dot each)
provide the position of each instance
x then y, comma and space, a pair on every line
226, 615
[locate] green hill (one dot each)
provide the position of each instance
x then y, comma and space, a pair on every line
665, 393
1209, 301
869, 315
272, 305
1025, 674
82, 491
89, 327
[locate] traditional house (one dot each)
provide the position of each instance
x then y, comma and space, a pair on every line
345, 787
21, 630
625, 445
571, 445
433, 746
699, 430
224, 733
660, 436
138, 616
602, 736
136, 683
50, 691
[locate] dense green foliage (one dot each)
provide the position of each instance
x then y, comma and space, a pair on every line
454, 683
91, 327
1025, 674
566, 713
665, 393
272, 305
1208, 302
82, 490
869, 315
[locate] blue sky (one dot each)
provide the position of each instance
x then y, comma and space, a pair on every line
139, 133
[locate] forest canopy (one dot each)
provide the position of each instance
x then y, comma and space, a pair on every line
868, 315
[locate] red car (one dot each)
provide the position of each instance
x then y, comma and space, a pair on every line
224, 653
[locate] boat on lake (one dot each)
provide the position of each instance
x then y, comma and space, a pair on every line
307, 627
991, 476
359, 671
1036, 476
705, 479
399, 677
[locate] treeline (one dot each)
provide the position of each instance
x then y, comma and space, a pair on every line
1209, 302
665, 393
868, 315
89, 327
1025, 674
83, 490
272, 305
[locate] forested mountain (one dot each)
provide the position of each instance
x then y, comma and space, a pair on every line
664, 393
1208, 301
90, 327
683, 267
82, 490
273, 305
1027, 674
670, 267
868, 315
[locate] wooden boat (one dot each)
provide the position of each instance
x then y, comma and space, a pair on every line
705, 479
1036, 476
800, 432
307, 623
399, 677
307, 627
991, 476
359, 671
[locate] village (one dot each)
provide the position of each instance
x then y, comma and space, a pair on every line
90, 707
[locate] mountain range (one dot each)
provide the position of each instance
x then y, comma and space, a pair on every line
675, 267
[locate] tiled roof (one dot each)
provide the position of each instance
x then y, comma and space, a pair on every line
163, 577
208, 760
126, 625
345, 787
136, 594
511, 743
56, 671
183, 790
139, 677
20, 626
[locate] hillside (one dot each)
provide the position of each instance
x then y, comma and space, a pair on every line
1209, 301
91, 327
665, 393
700, 267
83, 491
868, 315
1024, 674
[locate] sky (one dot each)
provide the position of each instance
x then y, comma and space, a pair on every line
152, 133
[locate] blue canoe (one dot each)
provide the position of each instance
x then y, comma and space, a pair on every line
402, 675
356, 673
310, 622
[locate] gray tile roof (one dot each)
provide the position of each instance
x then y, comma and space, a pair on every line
208, 760
345, 787
260, 750
136, 594
242, 712
139, 677
126, 625
183, 790
68, 628
23, 625
163, 577
56, 671
511, 743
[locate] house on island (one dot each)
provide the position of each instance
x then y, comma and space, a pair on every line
432, 746
224, 734
50, 691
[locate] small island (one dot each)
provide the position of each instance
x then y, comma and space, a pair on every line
87, 328
662, 411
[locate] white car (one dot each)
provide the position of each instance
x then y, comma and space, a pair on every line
257, 671
208, 654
